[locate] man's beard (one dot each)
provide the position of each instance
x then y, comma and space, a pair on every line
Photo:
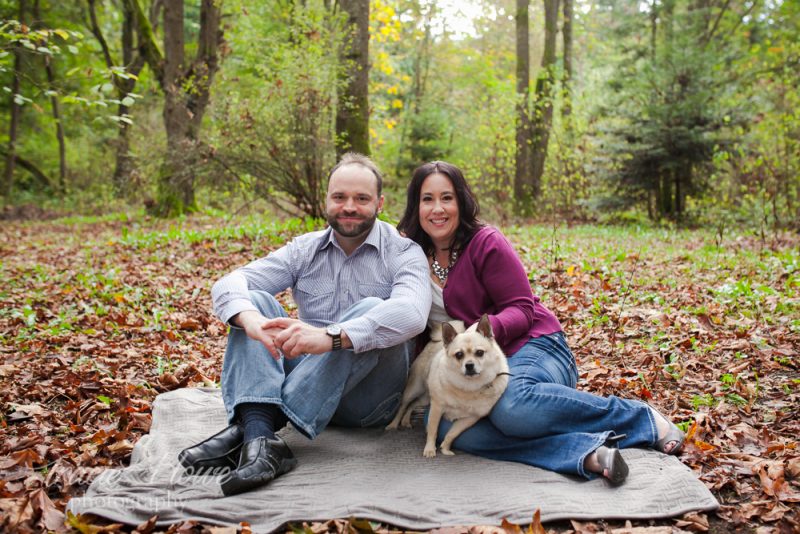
360, 228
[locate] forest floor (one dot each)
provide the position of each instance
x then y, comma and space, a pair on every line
100, 315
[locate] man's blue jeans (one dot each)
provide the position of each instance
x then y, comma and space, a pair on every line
339, 387
542, 420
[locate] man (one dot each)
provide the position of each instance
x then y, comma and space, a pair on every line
362, 291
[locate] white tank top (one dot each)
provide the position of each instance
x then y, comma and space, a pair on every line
437, 315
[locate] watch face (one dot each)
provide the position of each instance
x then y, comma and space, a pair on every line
334, 330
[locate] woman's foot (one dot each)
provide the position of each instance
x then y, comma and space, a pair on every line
608, 462
670, 437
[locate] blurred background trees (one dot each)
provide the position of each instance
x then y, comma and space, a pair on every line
669, 110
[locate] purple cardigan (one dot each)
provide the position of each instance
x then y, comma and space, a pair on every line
489, 277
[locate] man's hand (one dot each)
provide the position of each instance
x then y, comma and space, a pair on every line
297, 338
255, 326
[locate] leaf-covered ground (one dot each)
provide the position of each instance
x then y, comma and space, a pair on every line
98, 316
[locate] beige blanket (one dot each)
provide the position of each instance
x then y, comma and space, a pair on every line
375, 475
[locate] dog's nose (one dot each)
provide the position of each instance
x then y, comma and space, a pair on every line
469, 369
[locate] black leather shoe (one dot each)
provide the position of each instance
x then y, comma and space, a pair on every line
262, 461
220, 451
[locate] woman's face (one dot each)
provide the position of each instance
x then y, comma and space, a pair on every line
438, 209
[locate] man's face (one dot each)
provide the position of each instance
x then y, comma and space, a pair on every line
352, 204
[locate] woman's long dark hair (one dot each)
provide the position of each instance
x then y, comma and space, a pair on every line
468, 208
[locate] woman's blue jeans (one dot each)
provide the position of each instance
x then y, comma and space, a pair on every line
542, 420
338, 387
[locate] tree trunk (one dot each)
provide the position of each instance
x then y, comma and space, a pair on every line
62, 149
523, 175
176, 180
38, 174
352, 114
125, 166
186, 94
664, 196
56, 108
567, 155
680, 192
16, 110
543, 108
566, 34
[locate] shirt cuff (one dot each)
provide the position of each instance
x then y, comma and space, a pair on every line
234, 307
358, 331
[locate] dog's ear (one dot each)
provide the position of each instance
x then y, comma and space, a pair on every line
485, 327
448, 333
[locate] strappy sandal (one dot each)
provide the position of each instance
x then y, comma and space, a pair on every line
615, 470
673, 434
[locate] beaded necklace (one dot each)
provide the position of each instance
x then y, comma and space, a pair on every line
442, 272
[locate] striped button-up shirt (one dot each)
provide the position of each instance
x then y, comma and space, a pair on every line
325, 282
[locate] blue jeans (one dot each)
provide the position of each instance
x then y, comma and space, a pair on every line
338, 387
542, 420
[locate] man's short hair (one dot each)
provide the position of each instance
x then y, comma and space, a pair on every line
354, 158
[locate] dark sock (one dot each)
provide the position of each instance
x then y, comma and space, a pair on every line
259, 419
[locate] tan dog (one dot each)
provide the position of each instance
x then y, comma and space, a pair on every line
416, 392
465, 378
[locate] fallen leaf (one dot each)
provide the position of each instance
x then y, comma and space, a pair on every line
49, 516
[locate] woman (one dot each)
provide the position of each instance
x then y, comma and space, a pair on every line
541, 419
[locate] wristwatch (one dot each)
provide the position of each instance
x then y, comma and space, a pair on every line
335, 331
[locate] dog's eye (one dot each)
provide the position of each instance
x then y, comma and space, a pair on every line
459, 355
479, 353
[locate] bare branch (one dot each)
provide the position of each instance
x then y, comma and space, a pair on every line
98, 33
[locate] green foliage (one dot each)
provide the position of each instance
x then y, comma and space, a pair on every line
275, 133
666, 119
698, 125
82, 87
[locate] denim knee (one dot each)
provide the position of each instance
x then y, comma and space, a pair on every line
506, 413
266, 304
